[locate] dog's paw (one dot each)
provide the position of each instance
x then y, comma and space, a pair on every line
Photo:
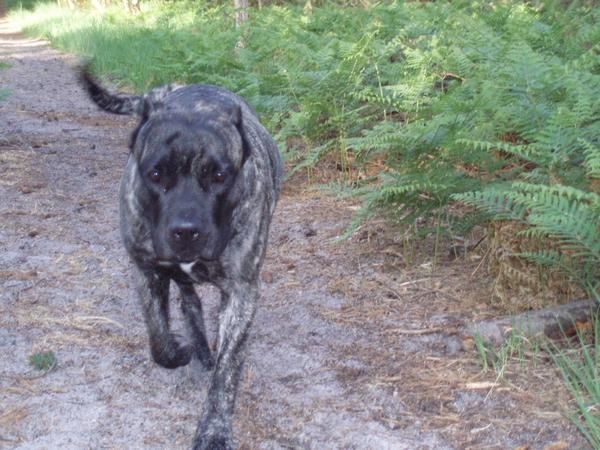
214, 443
213, 435
172, 354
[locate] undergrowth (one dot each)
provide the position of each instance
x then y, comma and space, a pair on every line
577, 360
579, 368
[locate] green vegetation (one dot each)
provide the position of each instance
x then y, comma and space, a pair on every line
516, 348
580, 370
568, 215
44, 361
578, 363
3, 91
24, 5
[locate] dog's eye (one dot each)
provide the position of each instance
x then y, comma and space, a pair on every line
154, 175
219, 177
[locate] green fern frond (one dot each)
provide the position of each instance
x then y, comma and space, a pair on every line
592, 158
532, 153
567, 192
494, 202
569, 216
399, 193
545, 258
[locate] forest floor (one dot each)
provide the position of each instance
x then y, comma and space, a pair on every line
353, 345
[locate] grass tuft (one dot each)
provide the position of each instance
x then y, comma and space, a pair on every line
579, 368
43, 361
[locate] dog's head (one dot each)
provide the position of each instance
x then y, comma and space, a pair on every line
189, 162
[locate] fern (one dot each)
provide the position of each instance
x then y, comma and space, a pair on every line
592, 159
567, 215
495, 203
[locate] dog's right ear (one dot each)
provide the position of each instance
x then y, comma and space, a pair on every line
144, 118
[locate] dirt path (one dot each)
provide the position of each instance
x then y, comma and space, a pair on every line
349, 349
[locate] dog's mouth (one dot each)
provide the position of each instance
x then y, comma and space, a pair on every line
175, 262
189, 262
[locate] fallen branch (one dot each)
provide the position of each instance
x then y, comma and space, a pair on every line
555, 323
415, 332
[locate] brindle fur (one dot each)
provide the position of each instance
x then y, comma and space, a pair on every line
190, 130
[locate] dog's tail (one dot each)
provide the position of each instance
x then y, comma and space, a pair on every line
108, 101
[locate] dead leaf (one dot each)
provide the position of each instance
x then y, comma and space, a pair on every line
560, 445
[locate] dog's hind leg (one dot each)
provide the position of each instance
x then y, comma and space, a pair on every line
238, 307
153, 290
191, 306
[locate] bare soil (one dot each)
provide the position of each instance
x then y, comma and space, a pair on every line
356, 345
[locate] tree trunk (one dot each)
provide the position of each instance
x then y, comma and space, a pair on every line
241, 12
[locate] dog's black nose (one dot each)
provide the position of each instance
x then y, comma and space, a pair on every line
184, 233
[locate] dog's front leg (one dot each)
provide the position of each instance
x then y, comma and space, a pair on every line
239, 304
191, 306
153, 291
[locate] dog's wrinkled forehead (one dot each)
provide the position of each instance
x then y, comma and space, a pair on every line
198, 129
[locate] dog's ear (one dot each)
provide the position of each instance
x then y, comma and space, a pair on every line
237, 118
145, 114
150, 104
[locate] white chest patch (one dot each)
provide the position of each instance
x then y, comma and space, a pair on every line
187, 267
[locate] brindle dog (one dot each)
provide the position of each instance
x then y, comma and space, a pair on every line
197, 197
